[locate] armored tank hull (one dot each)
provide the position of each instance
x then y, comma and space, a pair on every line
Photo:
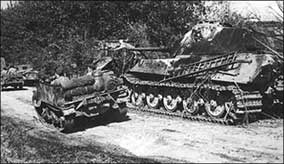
224, 87
221, 89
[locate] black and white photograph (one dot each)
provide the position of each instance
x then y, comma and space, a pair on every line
141, 81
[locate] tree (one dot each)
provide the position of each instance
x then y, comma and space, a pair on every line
63, 32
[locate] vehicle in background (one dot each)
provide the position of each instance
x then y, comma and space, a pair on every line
10, 76
30, 75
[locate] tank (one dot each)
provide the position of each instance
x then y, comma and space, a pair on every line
218, 73
88, 96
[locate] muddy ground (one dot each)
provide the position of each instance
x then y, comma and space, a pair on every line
140, 138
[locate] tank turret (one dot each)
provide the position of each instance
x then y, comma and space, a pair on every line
216, 38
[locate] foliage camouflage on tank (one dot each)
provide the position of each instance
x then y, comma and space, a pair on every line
219, 74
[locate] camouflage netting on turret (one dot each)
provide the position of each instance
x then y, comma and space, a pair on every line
212, 38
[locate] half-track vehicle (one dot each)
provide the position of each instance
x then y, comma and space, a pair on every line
218, 73
87, 96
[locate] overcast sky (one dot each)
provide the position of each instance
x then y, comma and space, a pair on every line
4, 4
261, 8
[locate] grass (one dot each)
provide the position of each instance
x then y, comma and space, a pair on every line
19, 145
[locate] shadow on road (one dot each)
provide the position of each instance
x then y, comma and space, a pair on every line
82, 123
274, 112
12, 89
19, 145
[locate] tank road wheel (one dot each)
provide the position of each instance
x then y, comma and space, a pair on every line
136, 99
215, 104
152, 101
133, 97
191, 106
140, 100
214, 109
169, 103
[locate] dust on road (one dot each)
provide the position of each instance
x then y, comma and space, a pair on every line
172, 140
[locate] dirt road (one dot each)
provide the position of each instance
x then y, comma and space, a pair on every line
169, 140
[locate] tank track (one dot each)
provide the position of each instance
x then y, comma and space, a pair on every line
54, 115
246, 102
46, 119
180, 115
